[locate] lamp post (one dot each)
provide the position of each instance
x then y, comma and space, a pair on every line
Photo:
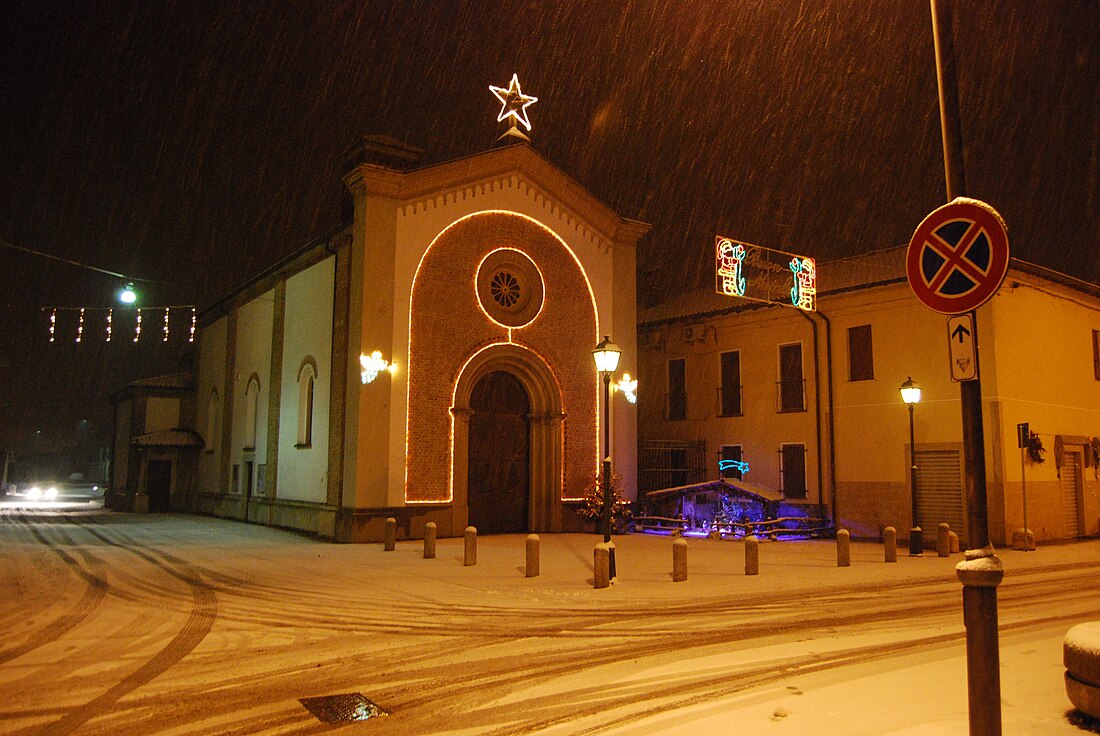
606, 356
910, 394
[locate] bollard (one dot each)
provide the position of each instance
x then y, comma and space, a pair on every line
752, 555
916, 542
600, 570
389, 543
429, 541
943, 540
954, 539
470, 557
679, 560
843, 548
532, 555
980, 573
890, 544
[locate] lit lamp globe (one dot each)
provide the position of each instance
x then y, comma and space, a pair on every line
127, 295
606, 356
910, 392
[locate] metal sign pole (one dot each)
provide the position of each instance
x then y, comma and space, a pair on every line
980, 581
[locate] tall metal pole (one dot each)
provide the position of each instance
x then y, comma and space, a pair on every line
608, 494
982, 572
916, 541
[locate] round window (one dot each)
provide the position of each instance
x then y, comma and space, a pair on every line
509, 287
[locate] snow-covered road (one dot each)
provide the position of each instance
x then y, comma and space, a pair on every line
177, 624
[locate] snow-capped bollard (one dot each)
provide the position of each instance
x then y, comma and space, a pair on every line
843, 548
954, 539
752, 555
389, 537
1023, 540
890, 544
532, 555
470, 557
980, 573
429, 541
679, 560
600, 566
1082, 660
943, 540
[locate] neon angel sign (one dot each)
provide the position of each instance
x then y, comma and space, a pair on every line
765, 275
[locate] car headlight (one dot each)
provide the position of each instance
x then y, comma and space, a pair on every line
34, 493
50, 493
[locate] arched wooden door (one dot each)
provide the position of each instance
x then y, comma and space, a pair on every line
499, 469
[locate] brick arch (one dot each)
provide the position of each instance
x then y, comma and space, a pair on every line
448, 329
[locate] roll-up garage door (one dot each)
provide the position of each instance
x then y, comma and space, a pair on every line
940, 490
1071, 490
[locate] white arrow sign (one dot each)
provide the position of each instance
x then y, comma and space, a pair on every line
960, 341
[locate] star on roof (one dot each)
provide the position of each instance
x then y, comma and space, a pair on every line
513, 103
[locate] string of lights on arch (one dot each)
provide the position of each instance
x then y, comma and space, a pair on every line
111, 324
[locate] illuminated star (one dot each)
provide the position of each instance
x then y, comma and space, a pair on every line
513, 103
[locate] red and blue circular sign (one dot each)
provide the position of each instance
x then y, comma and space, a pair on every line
958, 257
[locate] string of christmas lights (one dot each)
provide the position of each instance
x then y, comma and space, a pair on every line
87, 317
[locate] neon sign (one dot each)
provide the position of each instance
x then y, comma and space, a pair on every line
761, 274
373, 365
804, 291
736, 465
629, 388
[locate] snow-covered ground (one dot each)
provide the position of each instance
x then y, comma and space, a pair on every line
177, 624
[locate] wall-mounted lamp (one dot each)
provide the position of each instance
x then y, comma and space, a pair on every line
373, 365
127, 295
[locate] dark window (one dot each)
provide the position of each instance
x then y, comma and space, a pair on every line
730, 393
1096, 353
731, 467
794, 470
791, 394
677, 389
678, 470
861, 361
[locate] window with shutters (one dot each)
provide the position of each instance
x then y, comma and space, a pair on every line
792, 394
861, 361
729, 395
793, 470
677, 389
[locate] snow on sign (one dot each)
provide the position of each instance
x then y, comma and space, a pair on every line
765, 275
958, 256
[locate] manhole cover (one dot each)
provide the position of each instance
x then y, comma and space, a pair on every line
342, 708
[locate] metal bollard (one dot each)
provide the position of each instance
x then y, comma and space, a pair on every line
843, 548
943, 540
600, 566
980, 573
916, 542
389, 543
429, 541
752, 555
890, 544
532, 555
470, 557
679, 560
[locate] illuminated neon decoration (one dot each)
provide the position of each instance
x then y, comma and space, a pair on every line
137, 327
373, 365
53, 325
110, 318
804, 291
730, 257
80, 327
628, 387
737, 465
761, 274
513, 103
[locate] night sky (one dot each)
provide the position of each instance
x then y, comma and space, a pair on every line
193, 144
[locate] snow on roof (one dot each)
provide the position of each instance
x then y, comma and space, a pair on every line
724, 485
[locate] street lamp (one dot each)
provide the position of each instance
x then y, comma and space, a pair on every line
606, 356
127, 295
910, 394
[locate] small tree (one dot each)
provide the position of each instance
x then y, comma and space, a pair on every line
593, 500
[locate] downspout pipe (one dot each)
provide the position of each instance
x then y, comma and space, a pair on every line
831, 426
817, 409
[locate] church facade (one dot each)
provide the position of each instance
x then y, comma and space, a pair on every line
430, 362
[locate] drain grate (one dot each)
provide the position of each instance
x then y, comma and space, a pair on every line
342, 708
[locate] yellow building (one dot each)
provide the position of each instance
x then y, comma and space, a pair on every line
810, 401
